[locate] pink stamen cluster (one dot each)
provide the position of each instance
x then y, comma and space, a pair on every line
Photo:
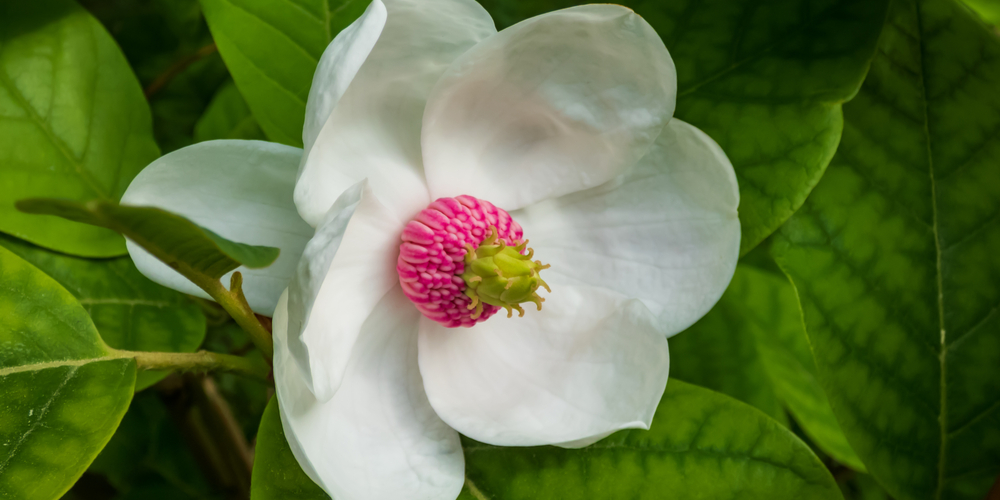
431, 257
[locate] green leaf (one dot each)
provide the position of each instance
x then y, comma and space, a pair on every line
168, 44
989, 10
173, 239
763, 305
73, 121
766, 80
130, 312
701, 445
720, 353
227, 117
272, 50
148, 453
896, 264
62, 395
276, 473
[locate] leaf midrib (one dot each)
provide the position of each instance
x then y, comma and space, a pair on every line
45, 365
52, 137
943, 353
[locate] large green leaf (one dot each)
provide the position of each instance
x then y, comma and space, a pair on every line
276, 473
272, 49
173, 239
73, 121
896, 259
701, 445
62, 396
227, 117
764, 306
130, 312
766, 80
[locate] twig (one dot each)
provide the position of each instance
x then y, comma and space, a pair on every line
201, 361
177, 68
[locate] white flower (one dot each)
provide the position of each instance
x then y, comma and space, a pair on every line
563, 120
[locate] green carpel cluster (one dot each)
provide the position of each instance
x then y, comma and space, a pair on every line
500, 275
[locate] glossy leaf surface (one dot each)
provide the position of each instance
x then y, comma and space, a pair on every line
272, 49
73, 121
764, 79
896, 259
62, 397
767, 310
130, 312
702, 444
173, 239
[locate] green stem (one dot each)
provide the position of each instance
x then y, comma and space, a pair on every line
236, 305
196, 361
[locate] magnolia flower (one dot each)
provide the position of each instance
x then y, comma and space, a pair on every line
434, 148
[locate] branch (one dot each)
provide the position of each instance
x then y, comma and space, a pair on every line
177, 68
201, 361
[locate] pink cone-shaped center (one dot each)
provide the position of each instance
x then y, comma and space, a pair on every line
431, 257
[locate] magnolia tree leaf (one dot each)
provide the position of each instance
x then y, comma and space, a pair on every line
130, 312
763, 306
720, 353
272, 49
63, 396
701, 444
227, 117
766, 80
896, 259
276, 473
989, 10
173, 239
147, 450
73, 121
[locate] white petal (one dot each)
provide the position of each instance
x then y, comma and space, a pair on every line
374, 130
378, 438
344, 272
558, 103
590, 363
336, 69
242, 190
665, 232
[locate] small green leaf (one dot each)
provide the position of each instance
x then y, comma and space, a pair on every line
73, 121
896, 259
701, 445
173, 239
766, 80
272, 50
276, 473
62, 396
227, 117
130, 312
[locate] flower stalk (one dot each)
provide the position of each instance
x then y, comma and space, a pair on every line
235, 303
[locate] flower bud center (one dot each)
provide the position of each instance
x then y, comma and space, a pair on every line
462, 259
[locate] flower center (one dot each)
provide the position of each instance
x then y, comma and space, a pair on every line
463, 259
